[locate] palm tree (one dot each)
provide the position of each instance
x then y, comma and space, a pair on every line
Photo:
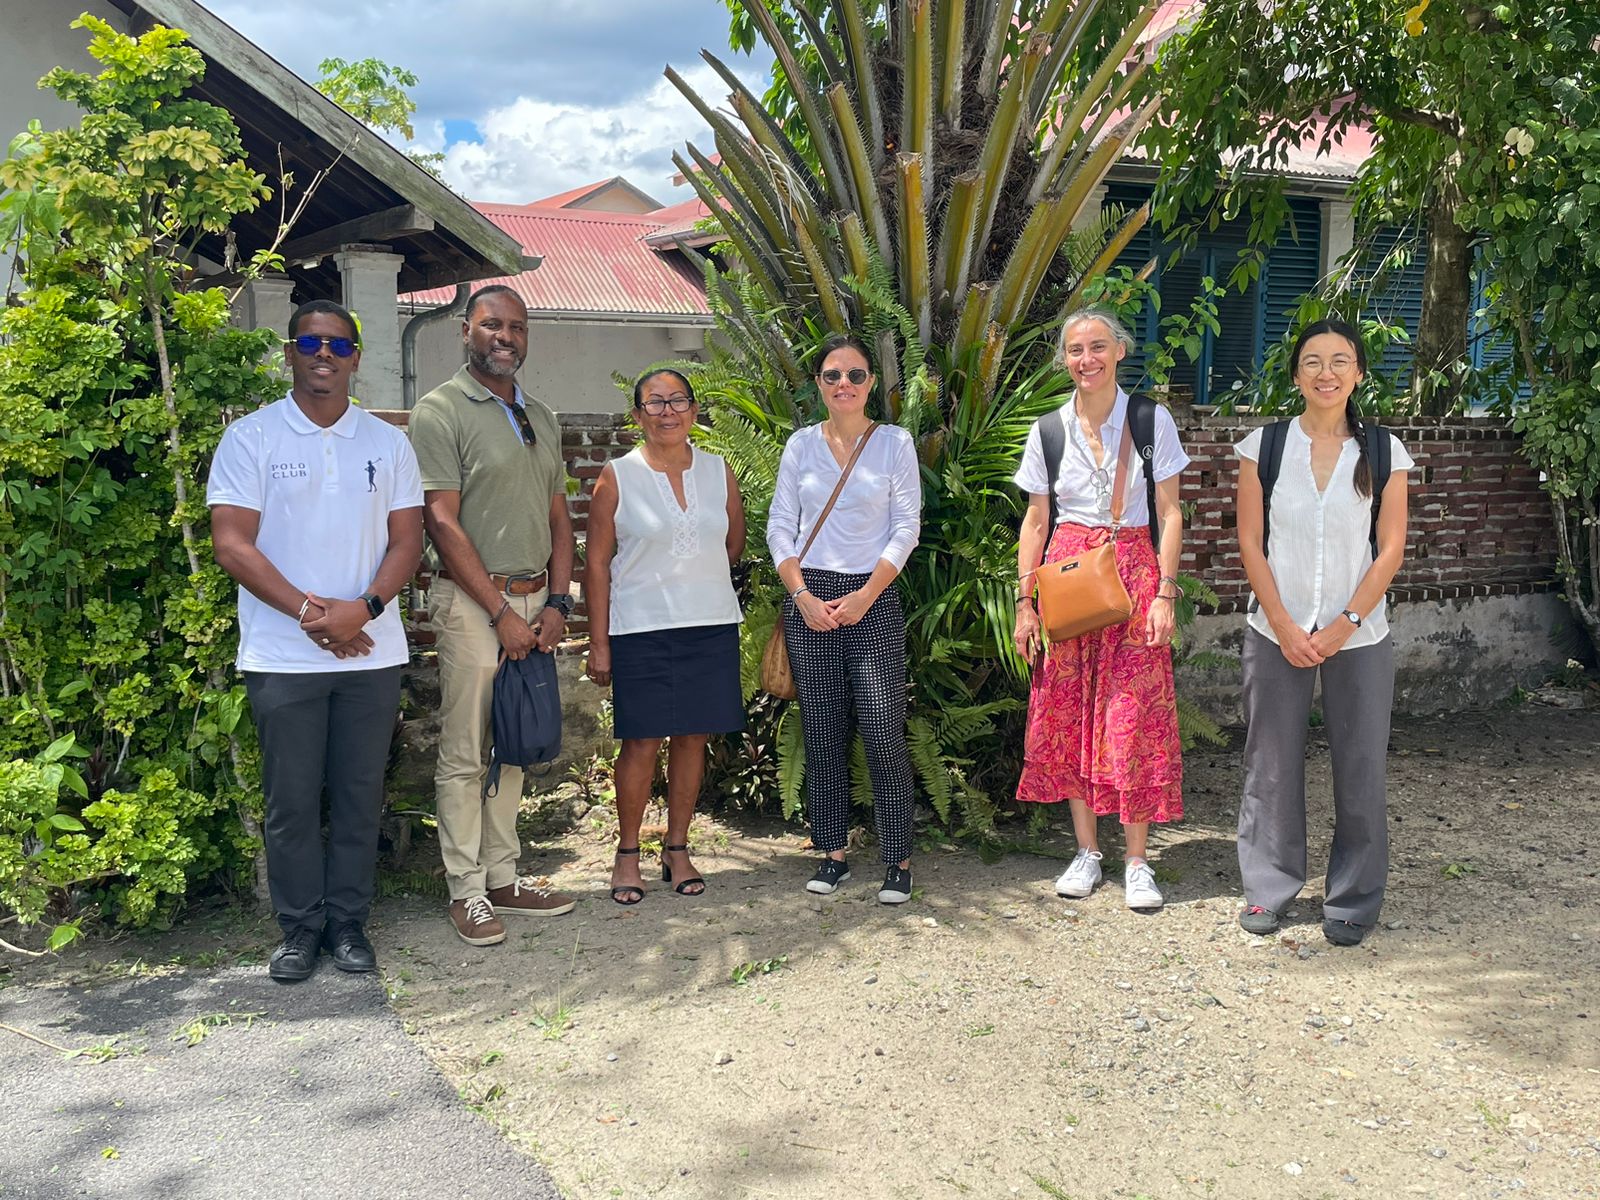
927, 187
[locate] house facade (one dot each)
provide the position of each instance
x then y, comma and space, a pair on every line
374, 224
614, 294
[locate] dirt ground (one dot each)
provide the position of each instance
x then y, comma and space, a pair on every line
991, 1040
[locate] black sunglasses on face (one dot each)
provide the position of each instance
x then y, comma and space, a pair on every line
309, 343
529, 438
855, 375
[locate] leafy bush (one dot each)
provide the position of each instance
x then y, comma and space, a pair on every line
116, 628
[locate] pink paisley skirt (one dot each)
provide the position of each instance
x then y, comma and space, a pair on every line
1102, 710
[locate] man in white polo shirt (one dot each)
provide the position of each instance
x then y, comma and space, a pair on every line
316, 510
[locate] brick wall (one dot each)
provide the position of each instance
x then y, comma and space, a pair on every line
1479, 524
589, 441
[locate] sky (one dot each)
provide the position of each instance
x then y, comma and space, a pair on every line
526, 98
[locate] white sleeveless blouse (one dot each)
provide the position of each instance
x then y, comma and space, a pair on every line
670, 570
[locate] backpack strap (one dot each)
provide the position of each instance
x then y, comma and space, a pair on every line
1268, 460
1378, 461
1142, 421
1053, 444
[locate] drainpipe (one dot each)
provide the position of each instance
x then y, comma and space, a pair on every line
408, 341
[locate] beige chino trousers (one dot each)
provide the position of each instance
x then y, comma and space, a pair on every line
477, 833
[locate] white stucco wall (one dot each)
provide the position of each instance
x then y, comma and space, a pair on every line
36, 35
569, 363
1449, 654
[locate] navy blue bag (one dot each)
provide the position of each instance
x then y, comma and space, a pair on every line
526, 715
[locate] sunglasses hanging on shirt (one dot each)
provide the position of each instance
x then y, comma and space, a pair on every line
524, 426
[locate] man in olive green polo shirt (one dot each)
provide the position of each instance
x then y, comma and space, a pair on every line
501, 547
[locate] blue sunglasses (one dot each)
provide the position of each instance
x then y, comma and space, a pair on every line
309, 343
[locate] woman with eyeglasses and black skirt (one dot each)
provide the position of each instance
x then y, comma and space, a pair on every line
665, 524
842, 620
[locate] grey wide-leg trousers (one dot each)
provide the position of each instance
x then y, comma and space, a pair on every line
1357, 697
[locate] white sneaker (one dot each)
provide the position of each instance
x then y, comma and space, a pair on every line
1078, 880
1139, 886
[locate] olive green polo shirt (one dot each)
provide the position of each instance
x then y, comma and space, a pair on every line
465, 442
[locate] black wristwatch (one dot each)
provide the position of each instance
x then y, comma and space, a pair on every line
374, 604
1353, 617
561, 602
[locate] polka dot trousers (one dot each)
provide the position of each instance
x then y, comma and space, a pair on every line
848, 679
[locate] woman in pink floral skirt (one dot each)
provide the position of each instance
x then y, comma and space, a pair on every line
1102, 712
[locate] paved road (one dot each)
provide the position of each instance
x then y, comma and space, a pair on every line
320, 1093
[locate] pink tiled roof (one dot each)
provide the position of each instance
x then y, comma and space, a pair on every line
594, 262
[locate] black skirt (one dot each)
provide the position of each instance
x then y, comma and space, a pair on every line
670, 681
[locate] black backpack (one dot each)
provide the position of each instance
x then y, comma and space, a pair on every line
1141, 417
1273, 438
525, 715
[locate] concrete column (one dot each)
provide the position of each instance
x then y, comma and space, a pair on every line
1092, 207
371, 275
265, 304
1338, 232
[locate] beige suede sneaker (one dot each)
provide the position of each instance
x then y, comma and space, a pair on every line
532, 897
475, 921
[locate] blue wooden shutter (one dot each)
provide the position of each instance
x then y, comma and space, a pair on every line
1399, 298
1294, 267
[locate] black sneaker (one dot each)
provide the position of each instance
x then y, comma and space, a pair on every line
1258, 920
297, 957
348, 947
1343, 933
829, 876
896, 887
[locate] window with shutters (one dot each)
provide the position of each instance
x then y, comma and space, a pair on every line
1250, 321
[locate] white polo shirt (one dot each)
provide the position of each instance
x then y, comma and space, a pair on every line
324, 496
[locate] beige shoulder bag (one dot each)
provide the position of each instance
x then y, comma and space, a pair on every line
1082, 594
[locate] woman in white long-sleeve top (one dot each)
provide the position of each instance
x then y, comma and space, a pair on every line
843, 621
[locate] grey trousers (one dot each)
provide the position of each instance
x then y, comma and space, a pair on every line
1357, 696
330, 730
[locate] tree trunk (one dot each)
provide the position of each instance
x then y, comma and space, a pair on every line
1441, 337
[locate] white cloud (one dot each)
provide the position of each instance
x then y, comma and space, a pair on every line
536, 147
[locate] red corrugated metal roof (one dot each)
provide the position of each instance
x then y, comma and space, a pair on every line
678, 222
594, 262
562, 199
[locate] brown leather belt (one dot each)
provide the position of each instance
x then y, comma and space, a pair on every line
509, 585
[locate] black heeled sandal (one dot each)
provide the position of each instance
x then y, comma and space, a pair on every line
666, 873
621, 894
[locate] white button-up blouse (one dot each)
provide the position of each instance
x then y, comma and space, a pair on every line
879, 513
1318, 546
1077, 499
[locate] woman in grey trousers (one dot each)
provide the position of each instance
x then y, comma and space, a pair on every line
1318, 569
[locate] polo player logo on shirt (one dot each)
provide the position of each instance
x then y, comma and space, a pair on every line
372, 474
289, 470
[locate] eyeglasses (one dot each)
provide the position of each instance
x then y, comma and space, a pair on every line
309, 343
529, 438
656, 406
1100, 480
855, 375
1339, 364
